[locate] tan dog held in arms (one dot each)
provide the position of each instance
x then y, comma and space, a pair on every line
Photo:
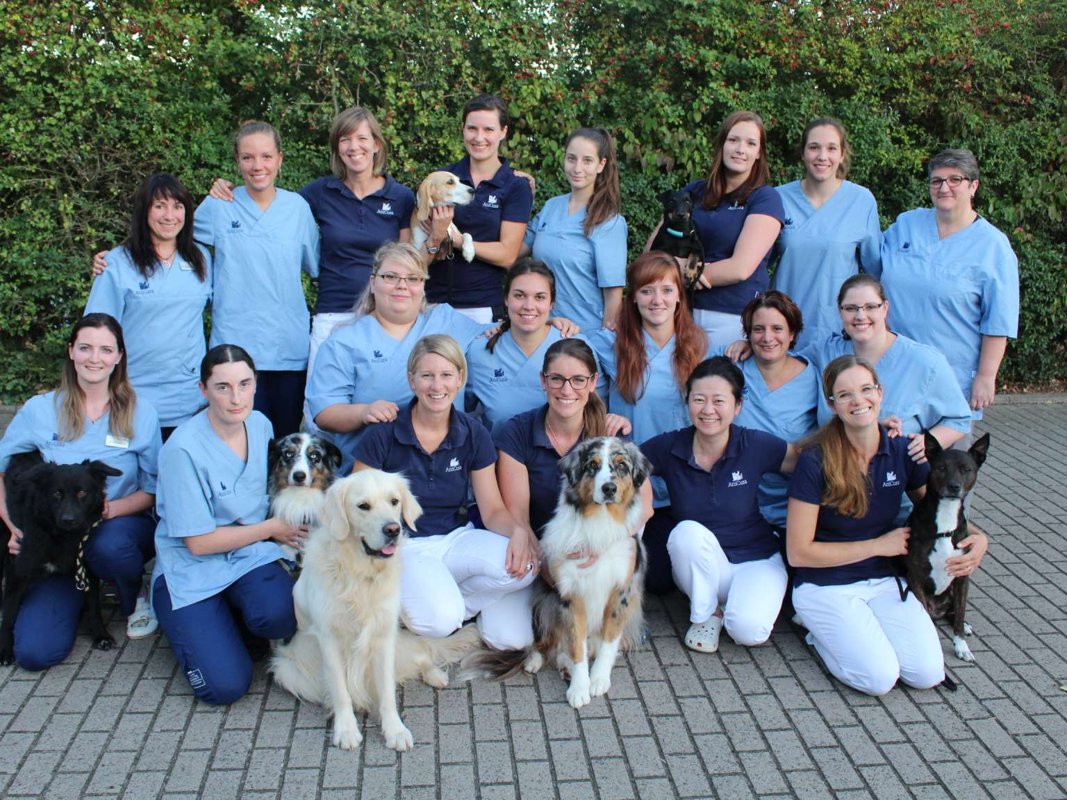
348, 651
595, 608
441, 189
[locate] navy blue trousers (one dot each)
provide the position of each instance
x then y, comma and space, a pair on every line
206, 635
51, 609
280, 398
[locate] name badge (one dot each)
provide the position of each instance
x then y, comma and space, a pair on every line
185, 266
117, 441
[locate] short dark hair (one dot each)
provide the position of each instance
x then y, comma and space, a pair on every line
488, 102
780, 302
718, 367
223, 354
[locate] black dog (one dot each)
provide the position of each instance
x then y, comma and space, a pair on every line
677, 236
937, 526
55, 506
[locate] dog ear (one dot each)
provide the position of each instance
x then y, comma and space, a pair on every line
665, 197
334, 516
425, 201
102, 470
980, 449
933, 446
642, 466
409, 506
570, 466
333, 455
274, 451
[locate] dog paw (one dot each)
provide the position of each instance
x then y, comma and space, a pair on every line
346, 733
534, 662
435, 677
578, 694
104, 643
599, 685
963, 651
468, 247
967, 629
398, 738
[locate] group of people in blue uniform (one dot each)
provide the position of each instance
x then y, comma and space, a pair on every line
781, 422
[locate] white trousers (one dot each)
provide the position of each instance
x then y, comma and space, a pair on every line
721, 328
322, 325
750, 593
868, 638
450, 578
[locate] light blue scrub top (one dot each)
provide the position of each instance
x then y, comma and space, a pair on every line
505, 382
583, 265
789, 412
361, 363
162, 318
819, 248
660, 408
259, 301
203, 485
950, 292
36, 427
917, 384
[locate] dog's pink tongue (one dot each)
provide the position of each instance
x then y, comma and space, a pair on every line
388, 550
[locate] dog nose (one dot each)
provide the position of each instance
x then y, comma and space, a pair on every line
954, 487
299, 477
391, 529
608, 489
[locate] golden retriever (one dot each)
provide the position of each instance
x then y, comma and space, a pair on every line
348, 651
441, 189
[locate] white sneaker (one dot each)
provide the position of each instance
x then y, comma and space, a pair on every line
704, 636
142, 622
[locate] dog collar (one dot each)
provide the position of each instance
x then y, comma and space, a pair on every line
673, 232
946, 535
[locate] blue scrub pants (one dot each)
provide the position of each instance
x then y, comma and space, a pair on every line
51, 608
206, 635
280, 398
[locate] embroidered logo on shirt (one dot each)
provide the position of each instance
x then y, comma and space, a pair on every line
891, 479
142, 285
492, 202
453, 465
222, 486
736, 479
905, 246
235, 224
498, 376
788, 222
386, 209
378, 357
736, 206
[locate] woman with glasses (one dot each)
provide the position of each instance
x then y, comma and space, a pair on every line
831, 227
360, 374
920, 389
531, 444
954, 278
842, 535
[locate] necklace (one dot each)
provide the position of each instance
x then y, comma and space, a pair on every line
557, 441
166, 261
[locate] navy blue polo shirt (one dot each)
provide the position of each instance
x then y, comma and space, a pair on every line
351, 230
890, 474
523, 437
502, 198
719, 230
724, 500
441, 479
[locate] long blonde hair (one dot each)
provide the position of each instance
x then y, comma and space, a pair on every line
846, 488
70, 399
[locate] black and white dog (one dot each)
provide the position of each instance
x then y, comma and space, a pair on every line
300, 468
55, 506
938, 524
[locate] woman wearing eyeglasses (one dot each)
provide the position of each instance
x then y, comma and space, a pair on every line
359, 377
954, 278
920, 388
842, 535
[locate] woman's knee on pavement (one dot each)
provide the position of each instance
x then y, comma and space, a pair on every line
222, 686
745, 630
434, 617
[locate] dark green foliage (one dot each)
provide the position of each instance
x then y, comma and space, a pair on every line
93, 96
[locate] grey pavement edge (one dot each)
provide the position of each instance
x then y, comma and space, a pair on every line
761, 722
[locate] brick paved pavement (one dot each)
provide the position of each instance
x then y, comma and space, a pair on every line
760, 722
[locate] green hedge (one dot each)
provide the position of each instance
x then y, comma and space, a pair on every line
95, 96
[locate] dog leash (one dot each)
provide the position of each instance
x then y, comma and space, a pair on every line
81, 576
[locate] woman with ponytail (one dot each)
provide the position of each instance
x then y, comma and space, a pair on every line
582, 236
531, 444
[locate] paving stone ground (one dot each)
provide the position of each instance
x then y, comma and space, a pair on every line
763, 722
